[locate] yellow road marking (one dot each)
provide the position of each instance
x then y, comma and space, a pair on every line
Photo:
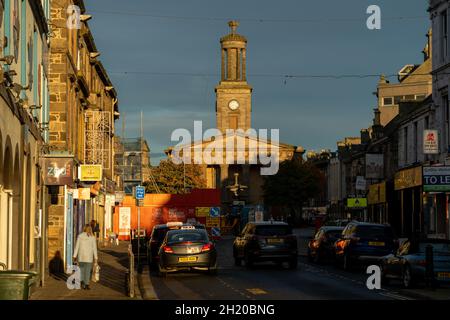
256, 291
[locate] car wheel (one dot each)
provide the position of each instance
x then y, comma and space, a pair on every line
293, 263
407, 277
161, 272
317, 258
310, 257
346, 262
248, 261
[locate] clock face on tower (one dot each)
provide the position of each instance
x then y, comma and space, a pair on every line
233, 105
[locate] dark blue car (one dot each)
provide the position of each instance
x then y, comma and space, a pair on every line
362, 242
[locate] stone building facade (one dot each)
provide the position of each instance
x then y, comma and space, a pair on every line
23, 132
83, 109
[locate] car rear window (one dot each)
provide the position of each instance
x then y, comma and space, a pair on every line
374, 232
273, 230
159, 234
193, 236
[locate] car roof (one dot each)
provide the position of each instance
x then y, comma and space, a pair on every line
269, 223
332, 228
369, 224
185, 230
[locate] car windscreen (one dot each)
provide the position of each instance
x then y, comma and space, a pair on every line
187, 236
438, 248
334, 234
374, 232
273, 230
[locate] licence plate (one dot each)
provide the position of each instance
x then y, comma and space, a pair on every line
187, 259
275, 241
443, 275
376, 244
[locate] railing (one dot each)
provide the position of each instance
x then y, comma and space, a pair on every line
130, 274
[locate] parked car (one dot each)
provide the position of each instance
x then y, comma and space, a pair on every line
363, 242
409, 263
157, 237
187, 249
337, 223
266, 241
321, 247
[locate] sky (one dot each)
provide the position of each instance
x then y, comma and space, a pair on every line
164, 59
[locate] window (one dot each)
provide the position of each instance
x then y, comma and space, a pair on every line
444, 34
420, 97
415, 142
388, 101
233, 122
405, 144
446, 111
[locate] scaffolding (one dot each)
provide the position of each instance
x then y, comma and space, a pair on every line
98, 142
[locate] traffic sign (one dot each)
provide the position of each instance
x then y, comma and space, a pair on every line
214, 212
215, 232
140, 192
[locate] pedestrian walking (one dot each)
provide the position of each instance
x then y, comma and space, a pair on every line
86, 255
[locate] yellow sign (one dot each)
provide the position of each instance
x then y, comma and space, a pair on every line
356, 202
408, 178
212, 222
202, 212
377, 193
84, 193
91, 172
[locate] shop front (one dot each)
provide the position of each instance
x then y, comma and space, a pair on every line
436, 198
408, 202
377, 205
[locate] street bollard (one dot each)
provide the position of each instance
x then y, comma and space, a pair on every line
430, 281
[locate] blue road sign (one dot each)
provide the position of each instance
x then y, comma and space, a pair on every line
215, 232
140, 192
214, 212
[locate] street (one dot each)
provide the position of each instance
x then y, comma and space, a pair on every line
267, 281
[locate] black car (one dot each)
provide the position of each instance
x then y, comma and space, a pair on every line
363, 242
157, 237
187, 249
266, 241
321, 247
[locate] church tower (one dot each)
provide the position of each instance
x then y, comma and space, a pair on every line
233, 94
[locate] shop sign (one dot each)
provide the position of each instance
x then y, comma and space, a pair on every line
436, 179
120, 195
408, 178
58, 171
84, 193
124, 221
360, 183
90, 172
430, 142
374, 166
377, 193
201, 212
356, 202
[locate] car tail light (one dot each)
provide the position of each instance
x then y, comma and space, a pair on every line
167, 249
207, 247
422, 263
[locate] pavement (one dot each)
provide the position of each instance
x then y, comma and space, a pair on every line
270, 281
113, 263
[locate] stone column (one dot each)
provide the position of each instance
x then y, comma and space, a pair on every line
223, 63
244, 72
238, 64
